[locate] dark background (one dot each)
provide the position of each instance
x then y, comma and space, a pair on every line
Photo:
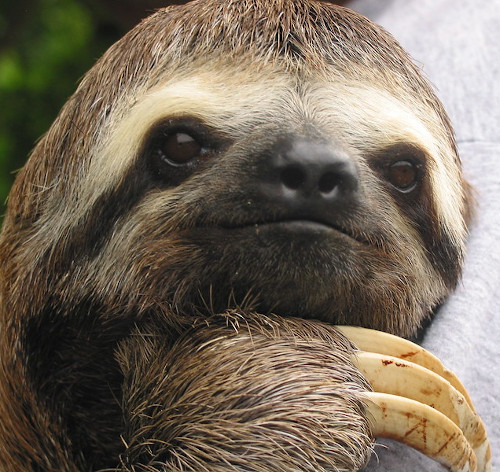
45, 48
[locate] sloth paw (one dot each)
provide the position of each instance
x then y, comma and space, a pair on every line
418, 402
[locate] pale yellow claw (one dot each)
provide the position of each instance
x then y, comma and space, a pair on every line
419, 402
385, 343
422, 428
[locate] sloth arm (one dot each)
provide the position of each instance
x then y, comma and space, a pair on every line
257, 394
243, 394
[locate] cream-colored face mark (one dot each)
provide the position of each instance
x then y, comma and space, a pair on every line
224, 102
364, 117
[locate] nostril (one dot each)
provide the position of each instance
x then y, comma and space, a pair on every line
293, 177
328, 182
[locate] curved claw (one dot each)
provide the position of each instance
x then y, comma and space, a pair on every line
421, 427
384, 343
439, 419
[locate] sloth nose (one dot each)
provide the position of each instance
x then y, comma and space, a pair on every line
312, 176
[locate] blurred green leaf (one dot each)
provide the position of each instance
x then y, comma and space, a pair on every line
45, 48
11, 71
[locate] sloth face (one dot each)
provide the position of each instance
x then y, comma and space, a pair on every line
298, 196
302, 170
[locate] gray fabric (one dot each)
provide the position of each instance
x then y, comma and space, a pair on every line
458, 45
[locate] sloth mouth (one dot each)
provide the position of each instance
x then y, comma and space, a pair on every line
300, 226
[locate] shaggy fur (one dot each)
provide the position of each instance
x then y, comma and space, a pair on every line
111, 253
272, 386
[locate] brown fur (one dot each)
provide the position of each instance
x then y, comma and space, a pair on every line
263, 402
99, 243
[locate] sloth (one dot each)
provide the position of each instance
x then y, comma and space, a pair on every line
228, 182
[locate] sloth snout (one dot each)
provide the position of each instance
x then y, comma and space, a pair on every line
308, 176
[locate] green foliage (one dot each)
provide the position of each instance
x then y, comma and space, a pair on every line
45, 47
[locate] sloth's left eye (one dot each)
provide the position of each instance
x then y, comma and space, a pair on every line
401, 165
404, 175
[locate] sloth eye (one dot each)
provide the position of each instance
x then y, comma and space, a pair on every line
401, 165
180, 148
404, 175
176, 148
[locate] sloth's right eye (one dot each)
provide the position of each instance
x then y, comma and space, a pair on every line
180, 148
176, 148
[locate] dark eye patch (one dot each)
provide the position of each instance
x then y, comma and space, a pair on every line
404, 169
402, 166
176, 147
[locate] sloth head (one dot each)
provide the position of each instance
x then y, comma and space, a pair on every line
281, 156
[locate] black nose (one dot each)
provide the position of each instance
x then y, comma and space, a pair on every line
311, 178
